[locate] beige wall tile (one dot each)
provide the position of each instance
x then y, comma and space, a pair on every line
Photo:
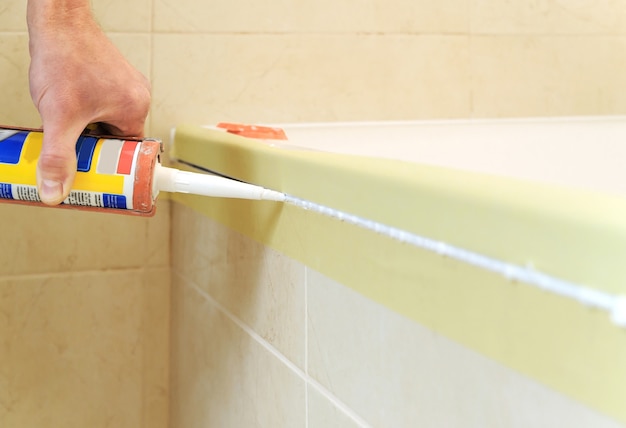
83, 350
136, 48
260, 286
204, 79
548, 76
265, 289
324, 414
198, 244
326, 16
549, 17
155, 343
17, 109
220, 376
123, 15
394, 372
42, 240
13, 16
157, 239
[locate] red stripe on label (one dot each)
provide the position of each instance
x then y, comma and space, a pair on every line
126, 157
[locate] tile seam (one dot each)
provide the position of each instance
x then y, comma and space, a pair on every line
306, 344
371, 34
43, 275
308, 380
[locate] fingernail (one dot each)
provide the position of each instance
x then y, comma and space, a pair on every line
51, 191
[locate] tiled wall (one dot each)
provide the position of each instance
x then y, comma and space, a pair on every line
402, 59
85, 296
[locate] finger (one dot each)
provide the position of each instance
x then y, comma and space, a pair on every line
56, 168
131, 129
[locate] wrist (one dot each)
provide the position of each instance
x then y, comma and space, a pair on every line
53, 15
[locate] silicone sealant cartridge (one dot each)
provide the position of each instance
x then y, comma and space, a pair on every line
112, 175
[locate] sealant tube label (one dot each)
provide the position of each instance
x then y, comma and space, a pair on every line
105, 169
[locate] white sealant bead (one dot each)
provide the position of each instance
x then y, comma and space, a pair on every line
510, 272
589, 297
618, 313
442, 248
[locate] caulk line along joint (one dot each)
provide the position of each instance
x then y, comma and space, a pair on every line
113, 175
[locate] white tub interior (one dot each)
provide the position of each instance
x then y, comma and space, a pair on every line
587, 153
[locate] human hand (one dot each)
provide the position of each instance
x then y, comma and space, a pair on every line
77, 77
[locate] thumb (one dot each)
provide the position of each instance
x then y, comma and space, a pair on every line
56, 168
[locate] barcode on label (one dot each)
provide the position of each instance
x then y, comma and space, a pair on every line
76, 197
84, 199
26, 193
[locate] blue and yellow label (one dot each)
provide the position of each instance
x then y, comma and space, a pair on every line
104, 177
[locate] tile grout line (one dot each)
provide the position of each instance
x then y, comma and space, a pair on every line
85, 272
306, 345
24, 32
280, 356
369, 33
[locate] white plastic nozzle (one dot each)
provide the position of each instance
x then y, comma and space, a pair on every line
174, 180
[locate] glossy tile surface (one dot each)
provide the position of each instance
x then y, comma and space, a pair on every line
549, 17
155, 344
255, 283
136, 49
393, 372
307, 78
13, 15
221, 376
130, 16
543, 76
322, 413
17, 107
84, 350
44, 240
157, 236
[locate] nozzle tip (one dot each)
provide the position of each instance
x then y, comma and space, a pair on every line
272, 195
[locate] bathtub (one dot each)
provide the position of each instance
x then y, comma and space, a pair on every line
505, 236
